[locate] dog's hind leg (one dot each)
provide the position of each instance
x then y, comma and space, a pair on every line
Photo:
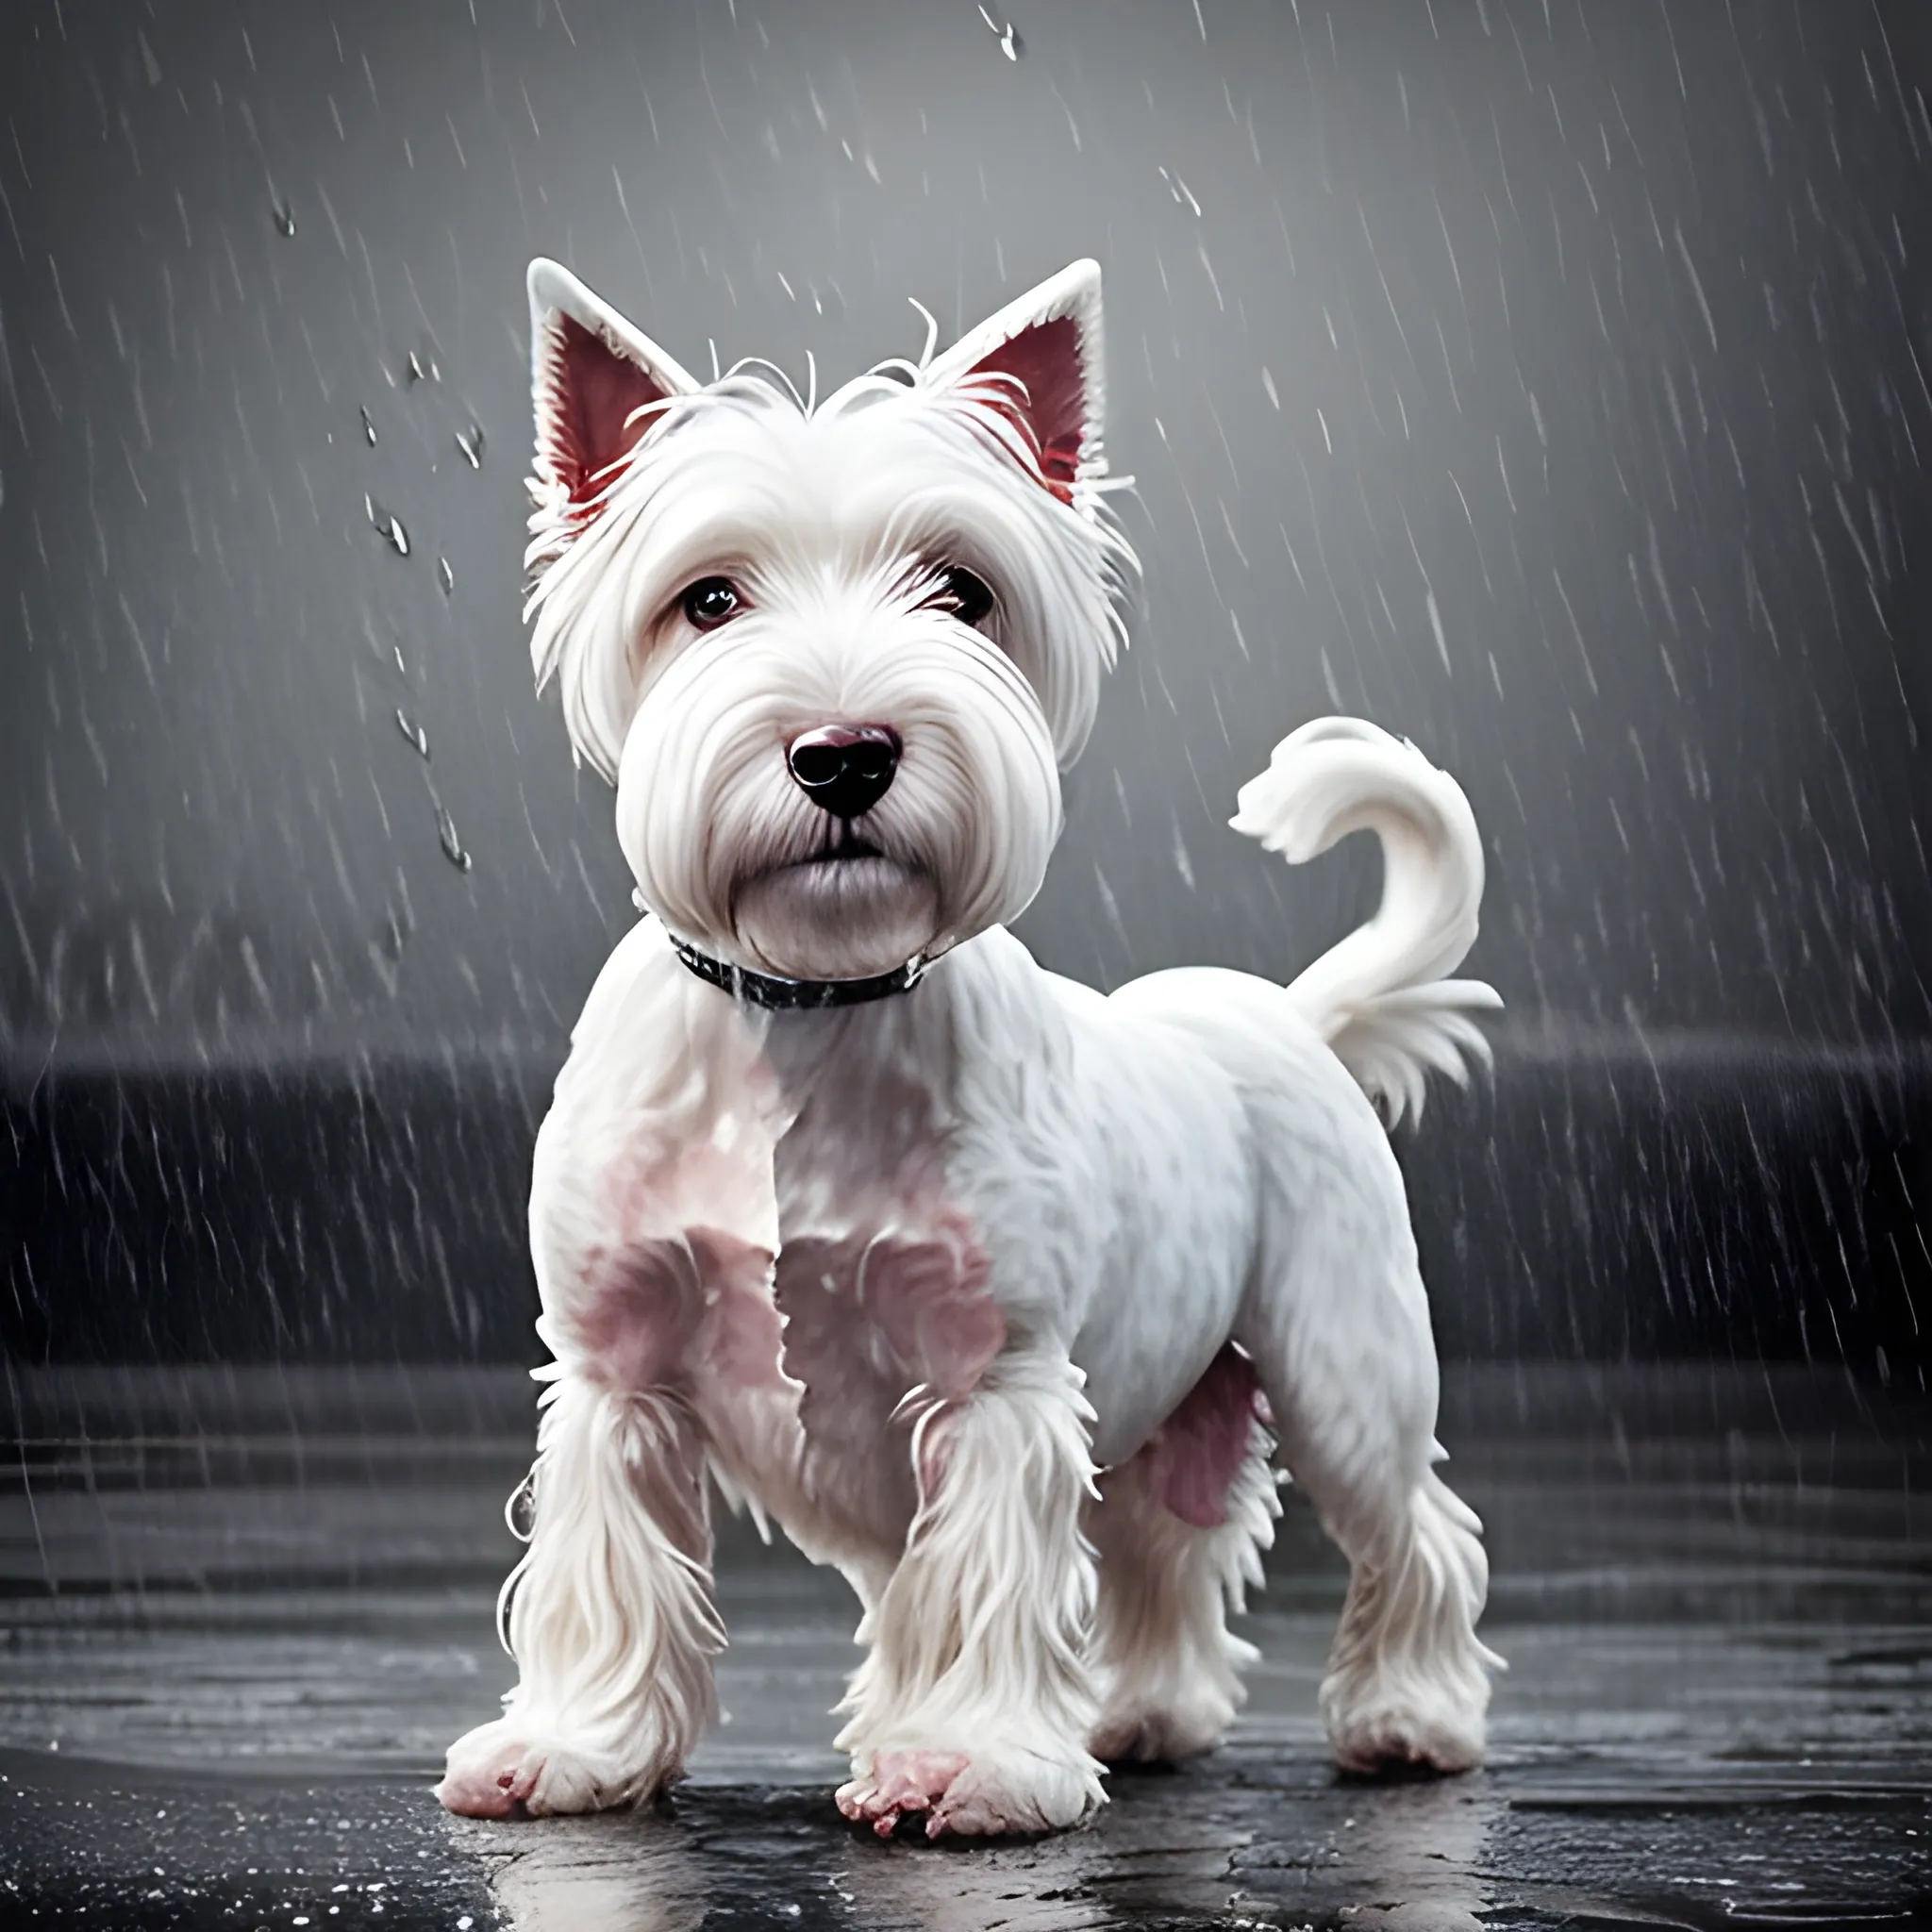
608, 1615
974, 1704
1339, 1328
1408, 1678
1179, 1529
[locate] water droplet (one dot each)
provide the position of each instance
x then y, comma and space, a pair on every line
396, 652
445, 575
471, 443
415, 733
368, 429
1180, 191
520, 1512
388, 527
1012, 45
285, 217
452, 845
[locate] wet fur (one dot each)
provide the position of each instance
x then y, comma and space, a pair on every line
997, 1296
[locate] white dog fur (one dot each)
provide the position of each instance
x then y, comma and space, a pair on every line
995, 1293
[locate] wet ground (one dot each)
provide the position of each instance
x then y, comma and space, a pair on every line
243, 1613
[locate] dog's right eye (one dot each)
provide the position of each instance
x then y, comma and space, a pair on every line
964, 594
710, 600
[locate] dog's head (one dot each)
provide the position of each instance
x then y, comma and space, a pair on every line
834, 654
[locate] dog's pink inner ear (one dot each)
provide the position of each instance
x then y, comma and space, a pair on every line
1046, 358
590, 398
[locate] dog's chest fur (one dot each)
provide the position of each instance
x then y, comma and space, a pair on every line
987, 1160
882, 1279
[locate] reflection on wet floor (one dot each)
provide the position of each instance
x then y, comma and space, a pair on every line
234, 1651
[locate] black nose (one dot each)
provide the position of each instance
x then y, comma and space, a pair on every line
844, 769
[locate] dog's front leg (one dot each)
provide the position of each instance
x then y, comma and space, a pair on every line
975, 1706
608, 1615
651, 1232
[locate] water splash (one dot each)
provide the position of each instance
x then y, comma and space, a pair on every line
471, 443
368, 428
415, 733
285, 217
445, 575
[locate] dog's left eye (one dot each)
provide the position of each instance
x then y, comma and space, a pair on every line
709, 601
964, 595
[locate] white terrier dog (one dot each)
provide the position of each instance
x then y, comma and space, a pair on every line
995, 1293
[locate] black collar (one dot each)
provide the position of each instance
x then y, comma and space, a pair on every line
797, 995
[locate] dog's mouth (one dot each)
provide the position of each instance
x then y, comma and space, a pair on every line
836, 873
843, 911
845, 846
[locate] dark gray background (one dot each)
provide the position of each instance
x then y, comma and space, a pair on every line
1600, 323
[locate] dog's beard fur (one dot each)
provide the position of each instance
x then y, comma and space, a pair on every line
833, 522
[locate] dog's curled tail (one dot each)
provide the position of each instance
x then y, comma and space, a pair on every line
1381, 998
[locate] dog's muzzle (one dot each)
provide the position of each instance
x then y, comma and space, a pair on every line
844, 769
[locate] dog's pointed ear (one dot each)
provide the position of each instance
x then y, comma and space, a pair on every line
1042, 354
590, 372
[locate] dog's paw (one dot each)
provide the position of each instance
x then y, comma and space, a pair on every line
1170, 1731
899, 1782
1370, 1734
990, 1794
501, 1771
